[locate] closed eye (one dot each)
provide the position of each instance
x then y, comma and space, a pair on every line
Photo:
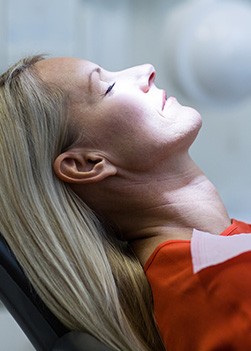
109, 88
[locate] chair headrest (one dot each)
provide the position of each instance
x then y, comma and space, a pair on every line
42, 328
20, 298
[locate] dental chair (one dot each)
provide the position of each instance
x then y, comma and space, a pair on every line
43, 329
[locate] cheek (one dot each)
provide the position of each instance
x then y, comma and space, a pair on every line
123, 119
126, 130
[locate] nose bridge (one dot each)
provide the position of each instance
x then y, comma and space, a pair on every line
144, 70
143, 76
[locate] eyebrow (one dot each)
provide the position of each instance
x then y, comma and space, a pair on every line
90, 81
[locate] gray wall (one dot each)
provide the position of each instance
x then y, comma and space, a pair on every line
121, 33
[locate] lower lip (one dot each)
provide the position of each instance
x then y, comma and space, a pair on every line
169, 101
164, 98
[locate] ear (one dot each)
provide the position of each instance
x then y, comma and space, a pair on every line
78, 166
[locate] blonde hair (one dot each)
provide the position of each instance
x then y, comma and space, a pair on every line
85, 276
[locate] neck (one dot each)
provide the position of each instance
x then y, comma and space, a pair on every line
169, 204
164, 203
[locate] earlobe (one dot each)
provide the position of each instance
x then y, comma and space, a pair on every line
78, 167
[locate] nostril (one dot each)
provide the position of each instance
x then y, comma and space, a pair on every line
147, 77
149, 81
151, 78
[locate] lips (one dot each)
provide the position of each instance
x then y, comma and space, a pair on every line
164, 98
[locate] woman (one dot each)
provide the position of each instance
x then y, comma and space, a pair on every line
132, 167
80, 137
84, 277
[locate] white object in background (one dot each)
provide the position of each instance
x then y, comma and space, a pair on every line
208, 50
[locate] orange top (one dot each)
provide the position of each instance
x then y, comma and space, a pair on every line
206, 311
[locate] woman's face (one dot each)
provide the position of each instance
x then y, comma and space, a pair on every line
123, 113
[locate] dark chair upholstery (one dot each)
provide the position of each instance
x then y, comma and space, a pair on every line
42, 328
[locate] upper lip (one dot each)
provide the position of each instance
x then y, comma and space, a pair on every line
164, 98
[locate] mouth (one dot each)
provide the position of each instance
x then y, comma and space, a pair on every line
164, 99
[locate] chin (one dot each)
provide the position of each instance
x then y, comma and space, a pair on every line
192, 135
191, 130
194, 119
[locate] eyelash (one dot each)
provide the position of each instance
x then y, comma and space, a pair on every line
109, 88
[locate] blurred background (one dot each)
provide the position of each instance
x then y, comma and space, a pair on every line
201, 50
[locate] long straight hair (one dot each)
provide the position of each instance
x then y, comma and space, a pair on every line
83, 274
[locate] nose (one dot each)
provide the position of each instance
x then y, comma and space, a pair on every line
146, 76
142, 76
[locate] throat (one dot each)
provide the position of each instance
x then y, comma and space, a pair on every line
195, 206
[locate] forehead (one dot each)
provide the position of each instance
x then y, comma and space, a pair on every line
67, 73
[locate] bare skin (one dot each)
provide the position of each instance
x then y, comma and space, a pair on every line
133, 166
149, 211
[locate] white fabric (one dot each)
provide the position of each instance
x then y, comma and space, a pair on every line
209, 249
